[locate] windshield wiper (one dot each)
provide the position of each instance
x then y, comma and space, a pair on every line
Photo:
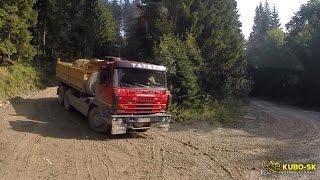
141, 85
125, 84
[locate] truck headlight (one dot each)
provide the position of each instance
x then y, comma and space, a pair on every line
117, 119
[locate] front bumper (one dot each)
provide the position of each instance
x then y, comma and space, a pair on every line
121, 124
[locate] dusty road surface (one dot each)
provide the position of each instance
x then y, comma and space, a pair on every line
39, 140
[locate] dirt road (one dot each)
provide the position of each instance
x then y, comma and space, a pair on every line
39, 140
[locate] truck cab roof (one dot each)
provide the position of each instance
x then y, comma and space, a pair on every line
121, 63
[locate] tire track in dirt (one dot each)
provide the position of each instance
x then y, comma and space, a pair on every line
105, 154
84, 158
150, 156
291, 117
33, 161
189, 151
98, 165
200, 150
23, 153
88, 161
217, 157
82, 169
293, 125
18, 162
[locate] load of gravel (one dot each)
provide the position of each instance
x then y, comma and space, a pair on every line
81, 63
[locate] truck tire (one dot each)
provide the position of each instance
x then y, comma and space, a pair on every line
96, 122
61, 92
66, 100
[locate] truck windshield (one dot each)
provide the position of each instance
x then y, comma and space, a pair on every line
140, 78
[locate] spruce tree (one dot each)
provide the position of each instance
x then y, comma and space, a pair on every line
215, 28
262, 23
117, 12
76, 29
304, 42
178, 56
146, 33
131, 13
222, 46
17, 18
265, 20
275, 20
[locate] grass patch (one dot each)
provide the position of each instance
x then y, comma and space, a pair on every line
227, 112
22, 78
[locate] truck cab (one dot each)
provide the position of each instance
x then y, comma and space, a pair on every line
122, 96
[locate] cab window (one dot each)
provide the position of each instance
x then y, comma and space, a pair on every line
105, 76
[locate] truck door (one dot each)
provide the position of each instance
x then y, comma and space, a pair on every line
104, 88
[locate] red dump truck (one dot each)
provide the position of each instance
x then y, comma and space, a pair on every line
117, 96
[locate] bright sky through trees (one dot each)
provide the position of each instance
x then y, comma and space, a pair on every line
286, 9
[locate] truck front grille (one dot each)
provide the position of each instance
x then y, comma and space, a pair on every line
143, 108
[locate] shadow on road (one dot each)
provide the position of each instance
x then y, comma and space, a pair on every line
47, 118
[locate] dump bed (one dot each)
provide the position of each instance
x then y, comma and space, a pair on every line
76, 74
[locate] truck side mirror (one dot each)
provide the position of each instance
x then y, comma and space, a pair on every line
105, 76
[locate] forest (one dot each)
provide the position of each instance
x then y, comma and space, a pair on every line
209, 61
285, 63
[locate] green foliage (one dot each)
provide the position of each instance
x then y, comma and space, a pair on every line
102, 28
76, 29
117, 13
287, 65
7, 47
131, 13
264, 21
222, 46
183, 60
275, 38
16, 19
275, 20
304, 42
22, 78
228, 111
199, 41
178, 31
144, 35
271, 52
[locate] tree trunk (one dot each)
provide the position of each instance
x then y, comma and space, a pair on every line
1, 60
9, 37
44, 54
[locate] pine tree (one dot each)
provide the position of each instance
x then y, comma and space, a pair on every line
304, 42
117, 12
178, 56
76, 29
102, 29
130, 16
147, 32
222, 44
275, 20
215, 28
266, 18
16, 21
264, 21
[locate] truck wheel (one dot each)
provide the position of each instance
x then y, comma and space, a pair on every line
66, 101
61, 91
96, 122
